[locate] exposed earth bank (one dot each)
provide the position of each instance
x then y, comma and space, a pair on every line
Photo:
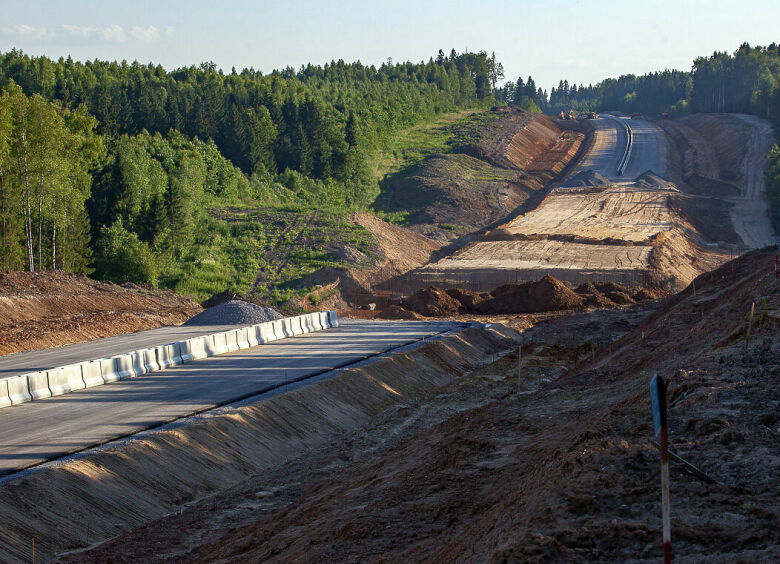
51, 309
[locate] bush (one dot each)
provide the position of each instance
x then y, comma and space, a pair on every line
121, 257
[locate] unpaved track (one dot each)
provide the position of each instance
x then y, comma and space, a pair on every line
750, 214
34, 432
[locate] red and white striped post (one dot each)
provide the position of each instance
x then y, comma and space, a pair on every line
658, 398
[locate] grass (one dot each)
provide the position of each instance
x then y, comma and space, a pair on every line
266, 252
409, 146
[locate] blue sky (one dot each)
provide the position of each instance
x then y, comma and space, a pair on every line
583, 41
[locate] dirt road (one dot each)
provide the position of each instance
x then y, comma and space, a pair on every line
750, 214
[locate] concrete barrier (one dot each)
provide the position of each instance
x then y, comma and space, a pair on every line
242, 336
231, 340
5, 399
124, 366
18, 392
193, 349
324, 320
65, 379
333, 319
216, 344
265, 333
251, 336
149, 360
317, 319
91, 374
308, 326
108, 369
278, 330
297, 325
139, 364
38, 384
168, 355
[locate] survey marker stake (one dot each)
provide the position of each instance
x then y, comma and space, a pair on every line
658, 399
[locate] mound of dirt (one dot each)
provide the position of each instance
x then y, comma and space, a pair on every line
607, 287
547, 294
649, 179
468, 300
586, 178
432, 302
587, 288
646, 294
49, 309
597, 300
620, 298
235, 312
397, 312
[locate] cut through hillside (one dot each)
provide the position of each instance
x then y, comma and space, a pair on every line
51, 309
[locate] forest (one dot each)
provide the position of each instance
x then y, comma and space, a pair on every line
111, 168
116, 168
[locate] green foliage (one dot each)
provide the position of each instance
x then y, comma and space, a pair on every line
46, 154
121, 257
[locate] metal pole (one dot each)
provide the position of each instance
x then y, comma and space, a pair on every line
658, 399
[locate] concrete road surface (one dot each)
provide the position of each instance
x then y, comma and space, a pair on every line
648, 152
35, 432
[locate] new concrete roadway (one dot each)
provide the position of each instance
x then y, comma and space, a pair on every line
648, 148
44, 430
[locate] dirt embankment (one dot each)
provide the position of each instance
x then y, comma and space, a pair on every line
495, 167
554, 464
722, 157
50, 309
397, 251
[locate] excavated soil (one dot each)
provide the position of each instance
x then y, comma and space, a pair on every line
50, 309
546, 455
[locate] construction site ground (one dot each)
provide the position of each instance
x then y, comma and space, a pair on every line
545, 454
692, 189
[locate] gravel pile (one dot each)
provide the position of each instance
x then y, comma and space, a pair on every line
235, 312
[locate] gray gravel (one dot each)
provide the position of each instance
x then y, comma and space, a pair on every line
235, 312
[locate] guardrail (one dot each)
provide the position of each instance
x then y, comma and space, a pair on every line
627, 153
60, 380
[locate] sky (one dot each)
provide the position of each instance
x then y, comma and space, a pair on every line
581, 41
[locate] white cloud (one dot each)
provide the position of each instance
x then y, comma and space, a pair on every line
79, 30
145, 33
30, 31
113, 33
170, 30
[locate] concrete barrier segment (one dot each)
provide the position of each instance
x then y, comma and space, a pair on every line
5, 399
323, 315
297, 325
193, 349
38, 384
242, 337
149, 360
108, 369
231, 340
168, 355
18, 391
124, 366
278, 331
265, 333
333, 318
65, 379
92, 374
316, 318
139, 365
251, 336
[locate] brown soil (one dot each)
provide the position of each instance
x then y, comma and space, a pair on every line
397, 312
49, 309
432, 302
516, 467
547, 294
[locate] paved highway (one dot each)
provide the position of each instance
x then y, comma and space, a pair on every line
44, 430
648, 150
33, 361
